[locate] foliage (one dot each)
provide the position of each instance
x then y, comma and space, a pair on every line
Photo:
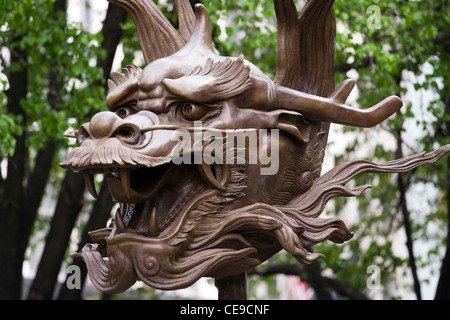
51, 46
385, 60
245, 27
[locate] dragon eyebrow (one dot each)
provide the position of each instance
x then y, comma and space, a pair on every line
123, 87
212, 82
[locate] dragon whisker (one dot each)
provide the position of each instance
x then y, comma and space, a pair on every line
196, 129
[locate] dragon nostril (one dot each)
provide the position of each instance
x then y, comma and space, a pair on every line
129, 133
125, 132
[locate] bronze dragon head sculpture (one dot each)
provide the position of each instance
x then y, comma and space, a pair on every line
216, 167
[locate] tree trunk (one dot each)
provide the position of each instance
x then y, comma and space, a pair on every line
112, 34
34, 193
35, 189
316, 281
443, 287
100, 214
13, 192
66, 213
322, 287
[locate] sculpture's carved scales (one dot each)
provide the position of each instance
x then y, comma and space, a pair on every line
179, 222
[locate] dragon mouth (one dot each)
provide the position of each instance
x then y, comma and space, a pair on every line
133, 189
148, 205
128, 185
143, 184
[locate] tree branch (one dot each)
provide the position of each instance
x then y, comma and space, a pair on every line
441, 38
342, 288
112, 33
403, 207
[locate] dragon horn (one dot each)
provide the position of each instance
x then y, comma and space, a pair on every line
201, 39
267, 96
333, 109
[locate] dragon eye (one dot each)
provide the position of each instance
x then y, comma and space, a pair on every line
193, 112
125, 112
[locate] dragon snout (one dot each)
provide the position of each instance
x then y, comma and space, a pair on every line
106, 125
103, 125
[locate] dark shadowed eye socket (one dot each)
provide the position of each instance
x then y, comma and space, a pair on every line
193, 112
125, 112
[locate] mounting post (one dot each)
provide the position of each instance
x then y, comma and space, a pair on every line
233, 288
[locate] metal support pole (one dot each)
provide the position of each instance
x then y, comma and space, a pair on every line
233, 288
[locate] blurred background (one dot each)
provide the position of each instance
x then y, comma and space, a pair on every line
55, 58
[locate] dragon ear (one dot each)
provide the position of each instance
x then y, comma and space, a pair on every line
201, 39
294, 124
212, 82
289, 122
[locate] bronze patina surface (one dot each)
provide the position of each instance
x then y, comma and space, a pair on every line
183, 213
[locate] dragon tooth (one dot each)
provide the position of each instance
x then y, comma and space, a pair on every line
125, 179
207, 174
153, 228
120, 225
90, 185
